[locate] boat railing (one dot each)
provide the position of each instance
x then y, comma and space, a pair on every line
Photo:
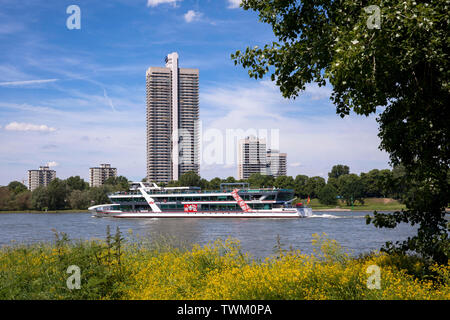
121, 193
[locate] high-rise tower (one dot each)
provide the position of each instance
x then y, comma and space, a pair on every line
172, 121
251, 157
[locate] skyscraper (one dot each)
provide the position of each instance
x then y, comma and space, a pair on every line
172, 121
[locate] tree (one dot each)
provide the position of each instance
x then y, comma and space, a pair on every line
79, 199
5, 198
269, 181
22, 201
76, 183
384, 176
230, 180
401, 66
333, 182
214, 184
314, 185
173, 183
256, 180
351, 188
40, 198
17, 187
338, 170
284, 182
189, 179
204, 184
98, 195
371, 183
119, 183
328, 195
57, 194
300, 186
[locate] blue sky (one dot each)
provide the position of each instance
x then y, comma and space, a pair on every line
76, 98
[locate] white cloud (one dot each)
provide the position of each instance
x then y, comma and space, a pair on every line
21, 126
28, 82
233, 4
52, 164
154, 3
192, 15
310, 132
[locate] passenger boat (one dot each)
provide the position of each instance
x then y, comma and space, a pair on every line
146, 200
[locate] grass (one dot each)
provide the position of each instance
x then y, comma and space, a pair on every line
370, 204
140, 269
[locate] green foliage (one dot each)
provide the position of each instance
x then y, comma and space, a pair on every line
258, 180
40, 271
119, 183
57, 192
230, 180
76, 183
284, 182
214, 184
40, 198
314, 185
338, 170
79, 199
351, 188
328, 195
14, 198
401, 66
300, 186
17, 187
189, 179
98, 195
113, 269
374, 182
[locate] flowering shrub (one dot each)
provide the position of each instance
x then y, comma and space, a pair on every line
219, 270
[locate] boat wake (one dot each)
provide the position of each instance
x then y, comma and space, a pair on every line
327, 216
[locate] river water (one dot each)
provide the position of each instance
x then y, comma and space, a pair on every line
257, 236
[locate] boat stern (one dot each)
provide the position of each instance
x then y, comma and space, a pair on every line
304, 212
104, 210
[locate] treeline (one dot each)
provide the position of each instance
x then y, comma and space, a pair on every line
74, 193
341, 184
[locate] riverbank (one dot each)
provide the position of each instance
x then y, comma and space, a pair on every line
370, 204
143, 270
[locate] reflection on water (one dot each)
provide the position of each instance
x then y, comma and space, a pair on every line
257, 236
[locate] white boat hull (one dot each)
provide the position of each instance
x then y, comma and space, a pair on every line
286, 213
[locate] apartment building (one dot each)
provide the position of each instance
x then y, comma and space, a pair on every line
252, 157
98, 175
41, 177
276, 163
